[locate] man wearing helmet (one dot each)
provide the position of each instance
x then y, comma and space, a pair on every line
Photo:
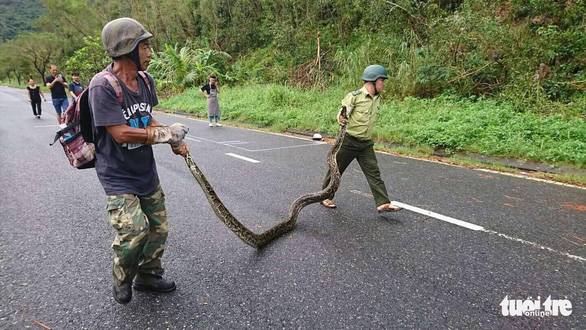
359, 112
121, 99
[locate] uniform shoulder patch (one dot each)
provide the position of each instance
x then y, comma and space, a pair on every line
357, 92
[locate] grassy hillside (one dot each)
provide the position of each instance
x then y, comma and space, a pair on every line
483, 126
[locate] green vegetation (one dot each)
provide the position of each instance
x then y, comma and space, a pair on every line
176, 68
483, 126
503, 77
16, 16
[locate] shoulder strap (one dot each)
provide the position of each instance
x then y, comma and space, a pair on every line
146, 80
113, 81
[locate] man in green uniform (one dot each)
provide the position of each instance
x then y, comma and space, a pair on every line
361, 109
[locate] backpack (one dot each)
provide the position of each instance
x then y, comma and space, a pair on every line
77, 137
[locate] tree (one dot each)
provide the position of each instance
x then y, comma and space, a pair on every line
13, 64
38, 49
187, 66
89, 59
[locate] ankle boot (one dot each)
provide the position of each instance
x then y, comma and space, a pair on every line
153, 283
122, 292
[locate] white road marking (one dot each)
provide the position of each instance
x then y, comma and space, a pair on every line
378, 151
192, 139
363, 194
200, 138
539, 246
233, 144
438, 216
228, 142
482, 229
243, 158
288, 147
529, 178
474, 227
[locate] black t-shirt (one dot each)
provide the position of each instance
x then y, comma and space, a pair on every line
57, 90
207, 87
123, 168
34, 93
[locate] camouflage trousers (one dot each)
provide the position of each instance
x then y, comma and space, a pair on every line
141, 231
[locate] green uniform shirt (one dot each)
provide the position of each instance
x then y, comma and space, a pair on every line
364, 110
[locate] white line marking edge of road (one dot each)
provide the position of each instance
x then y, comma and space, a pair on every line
474, 227
520, 176
438, 216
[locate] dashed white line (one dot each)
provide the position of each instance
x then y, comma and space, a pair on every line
243, 158
200, 138
289, 147
228, 142
233, 144
192, 139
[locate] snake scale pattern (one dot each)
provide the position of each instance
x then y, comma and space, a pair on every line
259, 240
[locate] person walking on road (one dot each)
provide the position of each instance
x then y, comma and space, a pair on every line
125, 164
57, 84
35, 94
211, 91
76, 87
361, 108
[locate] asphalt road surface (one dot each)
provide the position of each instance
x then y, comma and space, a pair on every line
479, 238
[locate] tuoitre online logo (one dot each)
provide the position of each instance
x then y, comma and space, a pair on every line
530, 307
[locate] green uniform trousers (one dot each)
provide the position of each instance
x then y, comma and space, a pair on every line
363, 151
141, 232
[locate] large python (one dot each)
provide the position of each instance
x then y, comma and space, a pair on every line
260, 240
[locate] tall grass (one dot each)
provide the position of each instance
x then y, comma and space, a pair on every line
483, 126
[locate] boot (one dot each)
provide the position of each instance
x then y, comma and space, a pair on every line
122, 292
153, 283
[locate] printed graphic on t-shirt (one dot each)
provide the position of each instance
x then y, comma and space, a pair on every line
138, 116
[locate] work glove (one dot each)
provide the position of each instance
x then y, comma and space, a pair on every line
180, 149
173, 134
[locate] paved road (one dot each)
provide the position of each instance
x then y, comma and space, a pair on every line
343, 268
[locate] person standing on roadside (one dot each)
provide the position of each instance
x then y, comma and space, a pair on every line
359, 112
76, 87
125, 131
211, 91
57, 85
35, 94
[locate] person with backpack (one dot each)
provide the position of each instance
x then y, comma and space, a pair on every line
35, 94
359, 112
57, 84
121, 100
